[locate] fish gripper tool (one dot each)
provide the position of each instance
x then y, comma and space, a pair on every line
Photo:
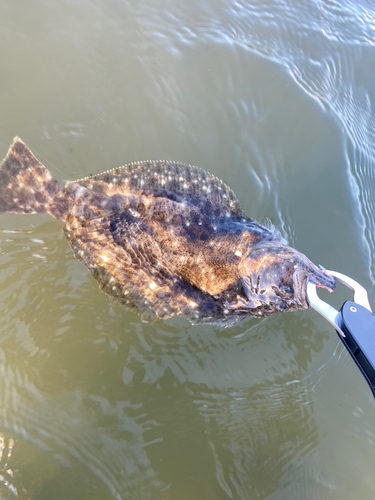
354, 324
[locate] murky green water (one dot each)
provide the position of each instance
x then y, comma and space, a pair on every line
273, 97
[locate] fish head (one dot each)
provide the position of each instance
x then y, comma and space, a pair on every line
275, 276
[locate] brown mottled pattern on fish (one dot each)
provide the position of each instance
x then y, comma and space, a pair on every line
166, 239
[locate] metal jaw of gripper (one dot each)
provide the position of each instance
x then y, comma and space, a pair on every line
327, 311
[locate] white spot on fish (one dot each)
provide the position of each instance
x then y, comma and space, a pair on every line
134, 212
80, 191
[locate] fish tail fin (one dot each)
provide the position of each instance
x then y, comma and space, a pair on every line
26, 186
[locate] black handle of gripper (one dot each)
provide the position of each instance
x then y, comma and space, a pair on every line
358, 324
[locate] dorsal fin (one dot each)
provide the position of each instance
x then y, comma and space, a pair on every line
190, 183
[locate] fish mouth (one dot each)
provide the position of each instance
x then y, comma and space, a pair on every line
319, 277
322, 279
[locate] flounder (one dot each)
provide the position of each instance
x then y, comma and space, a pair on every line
166, 239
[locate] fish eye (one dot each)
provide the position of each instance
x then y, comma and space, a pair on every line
287, 290
281, 307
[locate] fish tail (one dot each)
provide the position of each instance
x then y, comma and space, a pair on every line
26, 186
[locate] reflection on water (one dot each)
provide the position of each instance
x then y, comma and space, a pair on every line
6, 446
275, 98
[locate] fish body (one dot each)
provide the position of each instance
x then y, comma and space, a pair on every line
166, 239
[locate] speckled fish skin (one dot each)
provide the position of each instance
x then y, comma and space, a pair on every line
166, 239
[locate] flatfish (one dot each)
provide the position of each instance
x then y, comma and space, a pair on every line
166, 239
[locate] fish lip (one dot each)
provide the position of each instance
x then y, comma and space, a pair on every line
325, 287
322, 279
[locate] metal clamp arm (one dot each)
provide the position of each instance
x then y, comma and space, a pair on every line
354, 323
330, 313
